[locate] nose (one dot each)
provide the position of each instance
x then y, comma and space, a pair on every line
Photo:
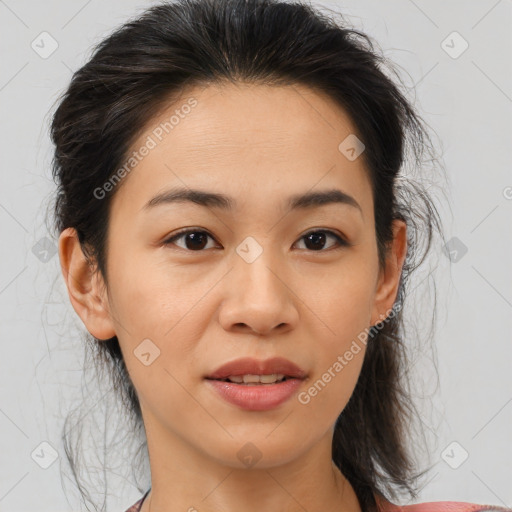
258, 298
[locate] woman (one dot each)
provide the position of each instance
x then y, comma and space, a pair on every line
236, 236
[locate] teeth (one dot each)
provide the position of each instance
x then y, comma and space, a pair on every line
256, 379
269, 379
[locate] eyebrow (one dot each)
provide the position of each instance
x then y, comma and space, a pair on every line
224, 202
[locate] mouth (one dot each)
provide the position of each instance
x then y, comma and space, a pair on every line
253, 371
255, 394
256, 385
255, 380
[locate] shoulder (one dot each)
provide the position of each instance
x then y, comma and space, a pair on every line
431, 506
440, 506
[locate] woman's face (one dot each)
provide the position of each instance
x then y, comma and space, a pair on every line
258, 279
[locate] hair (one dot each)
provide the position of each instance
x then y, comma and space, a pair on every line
140, 67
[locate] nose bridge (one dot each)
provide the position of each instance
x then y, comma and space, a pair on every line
258, 269
256, 294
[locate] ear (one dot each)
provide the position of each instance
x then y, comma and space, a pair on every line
389, 277
86, 288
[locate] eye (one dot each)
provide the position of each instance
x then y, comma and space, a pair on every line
194, 239
316, 239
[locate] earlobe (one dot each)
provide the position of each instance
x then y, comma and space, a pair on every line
86, 289
389, 278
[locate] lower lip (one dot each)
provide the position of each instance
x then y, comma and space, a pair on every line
257, 397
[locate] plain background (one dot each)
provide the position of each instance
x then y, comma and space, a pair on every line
466, 99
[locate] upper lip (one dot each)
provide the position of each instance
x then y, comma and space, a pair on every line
251, 366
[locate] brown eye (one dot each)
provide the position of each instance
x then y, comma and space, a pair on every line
194, 240
197, 240
315, 240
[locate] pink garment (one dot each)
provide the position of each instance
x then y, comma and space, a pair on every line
386, 506
440, 506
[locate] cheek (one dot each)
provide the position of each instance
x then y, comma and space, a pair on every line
160, 314
339, 359
152, 298
340, 327
340, 303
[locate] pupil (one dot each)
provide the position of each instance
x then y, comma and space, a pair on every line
196, 239
316, 238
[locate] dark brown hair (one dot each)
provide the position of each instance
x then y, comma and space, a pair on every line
137, 70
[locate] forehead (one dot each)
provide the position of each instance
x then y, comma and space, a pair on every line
244, 116
246, 139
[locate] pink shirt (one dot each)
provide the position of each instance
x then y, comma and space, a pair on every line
386, 506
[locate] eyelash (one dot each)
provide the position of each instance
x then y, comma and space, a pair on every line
341, 241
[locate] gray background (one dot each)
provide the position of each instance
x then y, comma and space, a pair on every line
467, 100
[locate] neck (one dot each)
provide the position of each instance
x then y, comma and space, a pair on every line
182, 479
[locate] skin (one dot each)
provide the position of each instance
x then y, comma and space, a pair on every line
205, 307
